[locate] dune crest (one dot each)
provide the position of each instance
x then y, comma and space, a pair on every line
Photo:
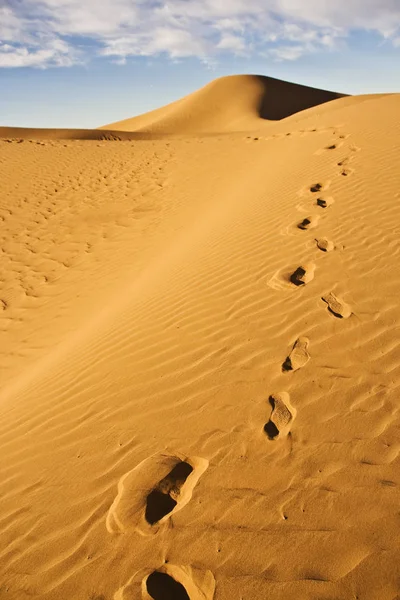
228, 104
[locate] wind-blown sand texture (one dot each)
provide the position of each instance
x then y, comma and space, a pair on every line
180, 416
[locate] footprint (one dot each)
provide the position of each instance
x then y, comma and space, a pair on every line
298, 357
161, 586
325, 245
303, 274
332, 146
164, 498
346, 172
336, 306
308, 223
325, 202
317, 187
153, 491
169, 582
281, 417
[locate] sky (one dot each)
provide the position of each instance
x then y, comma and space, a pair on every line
85, 63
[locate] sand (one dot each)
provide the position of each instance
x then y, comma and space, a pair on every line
198, 388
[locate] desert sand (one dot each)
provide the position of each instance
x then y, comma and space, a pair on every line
200, 351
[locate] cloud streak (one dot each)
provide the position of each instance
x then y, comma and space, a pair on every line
60, 33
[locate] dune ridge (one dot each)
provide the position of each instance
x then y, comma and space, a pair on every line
232, 103
149, 317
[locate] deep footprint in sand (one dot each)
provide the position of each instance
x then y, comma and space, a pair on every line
325, 202
281, 417
319, 187
173, 582
303, 274
163, 499
162, 586
298, 356
153, 491
169, 582
336, 306
308, 223
325, 245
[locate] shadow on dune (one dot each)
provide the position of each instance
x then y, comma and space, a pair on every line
281, 99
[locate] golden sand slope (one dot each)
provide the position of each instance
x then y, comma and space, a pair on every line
200, 363
234, 103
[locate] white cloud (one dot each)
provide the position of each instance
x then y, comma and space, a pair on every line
46, 33
177, 43
22, 57
233, 43
378, 15
287, 52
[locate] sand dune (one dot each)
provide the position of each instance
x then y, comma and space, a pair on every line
234, 103
200, 360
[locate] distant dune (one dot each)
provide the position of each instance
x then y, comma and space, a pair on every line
32, 133
233, 103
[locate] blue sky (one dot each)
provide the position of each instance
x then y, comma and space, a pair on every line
83, 63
